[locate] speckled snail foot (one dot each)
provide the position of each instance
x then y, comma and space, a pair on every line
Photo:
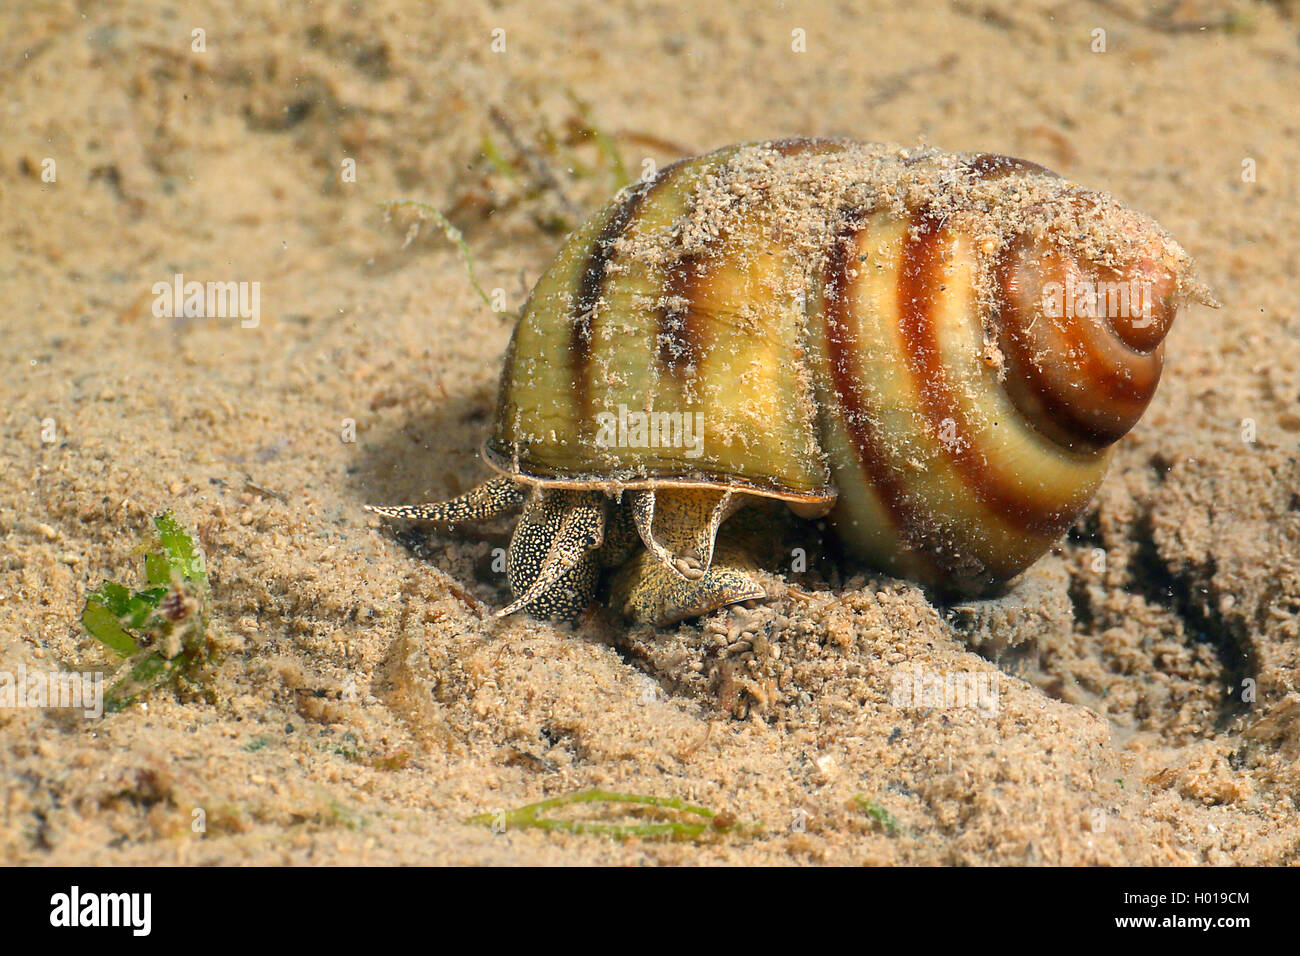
935, 350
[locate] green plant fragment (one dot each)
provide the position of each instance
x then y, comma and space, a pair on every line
530, 816
426, 212
883, 817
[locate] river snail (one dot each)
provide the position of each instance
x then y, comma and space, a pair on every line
934, 351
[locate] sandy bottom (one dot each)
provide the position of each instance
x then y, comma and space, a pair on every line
1140, 700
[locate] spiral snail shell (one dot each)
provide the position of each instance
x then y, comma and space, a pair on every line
936, 351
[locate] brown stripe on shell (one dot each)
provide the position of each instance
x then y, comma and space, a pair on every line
921, 284
986, 166
798, 145
1147, 334
591, 284
1065, 388
1120, 376
683, 334
869, 446
682, 329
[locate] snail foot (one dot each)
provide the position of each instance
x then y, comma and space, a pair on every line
553, 562
647, 591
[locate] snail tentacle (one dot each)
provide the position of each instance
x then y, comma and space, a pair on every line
553, 563
492, 499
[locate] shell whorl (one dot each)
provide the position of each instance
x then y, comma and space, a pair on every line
926, 339
1083, 378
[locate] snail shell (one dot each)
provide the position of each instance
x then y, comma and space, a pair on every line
936, 349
